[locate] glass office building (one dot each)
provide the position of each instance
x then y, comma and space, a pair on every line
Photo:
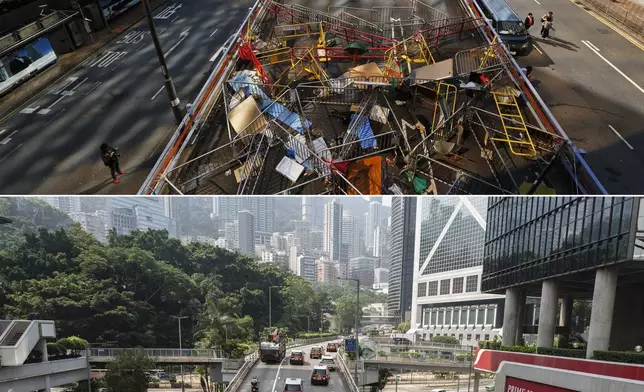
567, 248
531, 239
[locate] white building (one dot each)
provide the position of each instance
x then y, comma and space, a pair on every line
94, 223
198, 238
306, 268
333, 230
373, 221
145, 213
448, 263
351, 235
66, 204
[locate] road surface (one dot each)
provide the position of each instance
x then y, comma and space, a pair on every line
272, 376
51, 146
592, 78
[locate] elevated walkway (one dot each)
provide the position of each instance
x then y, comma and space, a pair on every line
19, 337
175, 356
34, 30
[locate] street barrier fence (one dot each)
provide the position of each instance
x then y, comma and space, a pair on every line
346, 373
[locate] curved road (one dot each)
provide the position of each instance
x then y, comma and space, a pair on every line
272, 376
592, 78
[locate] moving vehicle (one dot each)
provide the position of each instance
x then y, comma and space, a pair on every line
293, 385
508, 25
316, 352
274, 349
320, 375
297, 357
254, 385
332, 347
328, 361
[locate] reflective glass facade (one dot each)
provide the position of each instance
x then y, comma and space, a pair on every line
529, 239
451, 236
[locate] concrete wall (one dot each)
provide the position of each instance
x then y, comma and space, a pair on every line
628, 319
33, 377
566, 379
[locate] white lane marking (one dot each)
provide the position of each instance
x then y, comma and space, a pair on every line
2, 131
278, 374
96, 84
79, 84
537, 48
48, 109
172, 21
133, 37
53, 118
591, 45
614, 67
8, 138
620, 136
108, 58
68, 82
182, 36
537, 1
29, 110
158, 92
11, 152
167, 12
214, 32
217, 54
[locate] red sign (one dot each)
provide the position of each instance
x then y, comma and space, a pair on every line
518, 385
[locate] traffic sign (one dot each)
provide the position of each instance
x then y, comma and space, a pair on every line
350, 345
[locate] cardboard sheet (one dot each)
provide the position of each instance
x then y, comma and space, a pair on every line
366, 71
244, 117
438, 71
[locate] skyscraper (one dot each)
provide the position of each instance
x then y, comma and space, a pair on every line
333, 230
363, 269
350, 235
306, 268
66, 204
373, 221
146, 212
448, 263
312, 211
246, 232
401, 265
262, 209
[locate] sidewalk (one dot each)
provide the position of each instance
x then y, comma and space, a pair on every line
67, 62
627, 13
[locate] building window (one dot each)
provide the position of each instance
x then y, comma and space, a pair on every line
490, 316
457, 285
455, 317
463, 317
477, 337
453, 335
487, 337
472, 320
448, 317
433, 318
440, 317
460, 337
432, 288
469, 337
471, 284
422, 289
431, 335
481, 317
445, 287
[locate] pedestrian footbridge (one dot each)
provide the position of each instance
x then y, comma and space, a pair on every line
172, 356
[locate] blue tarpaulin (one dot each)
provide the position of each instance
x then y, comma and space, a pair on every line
272, 108
364, 131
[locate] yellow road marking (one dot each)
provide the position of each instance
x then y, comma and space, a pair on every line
610, 25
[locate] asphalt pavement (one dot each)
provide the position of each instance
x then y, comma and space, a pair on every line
273, 376
592, 78
52, 145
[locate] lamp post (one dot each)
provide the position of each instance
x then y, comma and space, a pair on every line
167, 80
270, 305
179, 318
357, 320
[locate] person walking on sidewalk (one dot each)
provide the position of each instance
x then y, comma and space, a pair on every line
529, 21
110, 157
546, 24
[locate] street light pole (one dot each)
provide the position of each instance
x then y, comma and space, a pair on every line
167, 80
179, 318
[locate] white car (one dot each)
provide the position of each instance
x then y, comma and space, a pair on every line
328, 361
293, 385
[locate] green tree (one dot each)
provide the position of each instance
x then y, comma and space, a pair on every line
127, 372
445, 340
404, 326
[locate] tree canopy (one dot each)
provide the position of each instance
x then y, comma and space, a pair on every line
124, 292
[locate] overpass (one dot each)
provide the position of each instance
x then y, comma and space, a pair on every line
171, 356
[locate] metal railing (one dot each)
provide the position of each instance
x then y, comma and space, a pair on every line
622, 15
242, 373
16, 38
348, 376
160, 352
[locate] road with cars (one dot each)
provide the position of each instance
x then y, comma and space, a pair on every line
273, 376
51, 145
591, 76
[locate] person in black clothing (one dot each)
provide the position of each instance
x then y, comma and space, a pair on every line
546, 24
110, 157
529, 21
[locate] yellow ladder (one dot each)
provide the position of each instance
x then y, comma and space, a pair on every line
513, 125
275, 56
448, 91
